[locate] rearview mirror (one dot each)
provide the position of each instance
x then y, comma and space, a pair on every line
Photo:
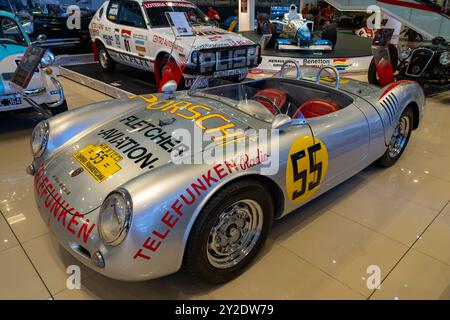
169, 87
283, 121
40, 39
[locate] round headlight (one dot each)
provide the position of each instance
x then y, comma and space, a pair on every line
48, 59
444, 58
404, 53
39, 138
115, 217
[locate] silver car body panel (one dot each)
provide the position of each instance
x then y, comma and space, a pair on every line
354, 137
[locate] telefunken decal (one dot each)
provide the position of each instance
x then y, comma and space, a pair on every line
61, 210
196, 189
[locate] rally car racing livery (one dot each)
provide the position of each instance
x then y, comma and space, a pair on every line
44, 88
138, 33
129, 196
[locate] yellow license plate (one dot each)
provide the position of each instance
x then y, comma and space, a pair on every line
100, 161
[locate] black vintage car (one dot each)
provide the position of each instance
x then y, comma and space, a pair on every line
427, 64
51, 20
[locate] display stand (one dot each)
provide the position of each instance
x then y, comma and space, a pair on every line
24, 72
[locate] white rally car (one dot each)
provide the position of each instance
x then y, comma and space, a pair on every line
43, 88
138, 34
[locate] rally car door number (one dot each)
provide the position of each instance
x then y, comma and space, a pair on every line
306, 167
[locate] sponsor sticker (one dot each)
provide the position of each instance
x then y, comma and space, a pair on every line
100, 161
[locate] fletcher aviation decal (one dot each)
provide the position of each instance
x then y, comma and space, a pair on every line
134, 150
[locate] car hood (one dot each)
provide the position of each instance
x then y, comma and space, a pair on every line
138, 141
208, 37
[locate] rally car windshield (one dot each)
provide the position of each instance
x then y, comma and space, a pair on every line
156, 12
10, 32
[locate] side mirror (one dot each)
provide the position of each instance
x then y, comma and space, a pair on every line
169, 87
283, 121
40, 39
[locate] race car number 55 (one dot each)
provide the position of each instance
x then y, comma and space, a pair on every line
307, 165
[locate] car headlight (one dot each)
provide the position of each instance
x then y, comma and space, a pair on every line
404, 53
39, 138
115, 215
48, 59
444, 58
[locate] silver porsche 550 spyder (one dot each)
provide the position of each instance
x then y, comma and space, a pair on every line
112, 182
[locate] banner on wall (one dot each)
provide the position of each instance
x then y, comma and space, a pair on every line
344, 65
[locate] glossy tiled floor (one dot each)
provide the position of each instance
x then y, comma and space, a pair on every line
397, 219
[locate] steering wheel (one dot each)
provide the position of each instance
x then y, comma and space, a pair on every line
10, 40
272, 103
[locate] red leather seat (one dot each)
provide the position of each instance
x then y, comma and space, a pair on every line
266, 96
316, 108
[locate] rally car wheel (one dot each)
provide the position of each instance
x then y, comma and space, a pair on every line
106, 63
57, 110
229, 232
372, 73
399, 139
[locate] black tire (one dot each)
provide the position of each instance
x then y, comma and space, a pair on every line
372, 75
104, 60
330, 33
273, 40
393, 56
196, 258
387, 160
57, 110
164, 60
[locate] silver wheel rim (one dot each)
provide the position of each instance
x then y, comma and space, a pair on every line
103, 58
235, 234
399, 138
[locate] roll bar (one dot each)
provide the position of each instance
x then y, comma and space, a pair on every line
336, 72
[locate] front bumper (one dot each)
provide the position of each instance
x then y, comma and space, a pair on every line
78, 234
52, 96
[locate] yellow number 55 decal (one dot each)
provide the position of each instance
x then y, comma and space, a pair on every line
306, 167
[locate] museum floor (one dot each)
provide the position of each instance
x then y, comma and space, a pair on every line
397, 219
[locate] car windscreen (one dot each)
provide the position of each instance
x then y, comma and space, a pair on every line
10, 33
156, 12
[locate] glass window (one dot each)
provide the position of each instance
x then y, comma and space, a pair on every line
10, 33
156, 13
130, 14
113, 11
